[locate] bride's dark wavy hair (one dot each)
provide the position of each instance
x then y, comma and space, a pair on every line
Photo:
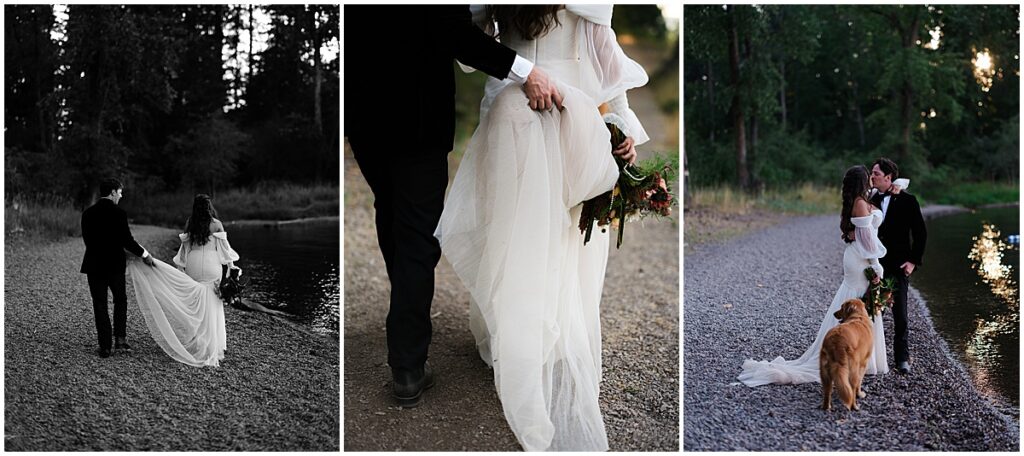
528, 21
198, 224
856, 184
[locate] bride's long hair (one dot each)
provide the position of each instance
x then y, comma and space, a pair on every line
856, 184
528, 21
198, 224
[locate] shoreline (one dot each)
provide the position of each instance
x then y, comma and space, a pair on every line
999, 404
275, 390
251, 222
740, 306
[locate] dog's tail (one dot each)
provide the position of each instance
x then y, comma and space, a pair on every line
841, 376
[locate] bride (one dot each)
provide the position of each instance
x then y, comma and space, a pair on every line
509, 226
181, 307
859, 224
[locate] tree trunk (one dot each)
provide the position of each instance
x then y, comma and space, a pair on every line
711, 98
252, 32
37, 94
236, 89
752, 153
909, 35
317, 71
738, 120
782, 91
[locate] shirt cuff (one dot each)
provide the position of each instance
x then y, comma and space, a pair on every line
521, 68
145, 253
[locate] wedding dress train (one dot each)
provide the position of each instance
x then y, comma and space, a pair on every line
509, 230
864, 252
181, 307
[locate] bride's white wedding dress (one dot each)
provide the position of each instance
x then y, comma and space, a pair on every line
509, 230
181, 307
863, 252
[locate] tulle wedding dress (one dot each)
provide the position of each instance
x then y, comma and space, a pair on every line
864, 252
509, 229
181, 307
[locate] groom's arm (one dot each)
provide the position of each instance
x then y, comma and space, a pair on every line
475, 48
918, 233
128, 241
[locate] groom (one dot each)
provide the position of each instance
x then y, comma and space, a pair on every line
106, 235
400, 137
903, 234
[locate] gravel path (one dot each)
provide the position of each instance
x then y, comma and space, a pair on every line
640, 333
276, 389
763, 295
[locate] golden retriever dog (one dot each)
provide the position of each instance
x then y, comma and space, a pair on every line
844, 355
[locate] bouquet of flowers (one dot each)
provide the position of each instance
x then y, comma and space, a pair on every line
641, 191
879, 295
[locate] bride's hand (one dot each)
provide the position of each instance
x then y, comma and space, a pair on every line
626, 150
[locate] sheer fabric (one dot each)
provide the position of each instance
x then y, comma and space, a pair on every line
181, 307
859, 255
509, 230
583, 52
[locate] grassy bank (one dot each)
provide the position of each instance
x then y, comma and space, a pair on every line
805, 199
971, 194
54, 217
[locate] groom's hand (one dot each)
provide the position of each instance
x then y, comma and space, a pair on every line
908, 268
148, 259
541, 91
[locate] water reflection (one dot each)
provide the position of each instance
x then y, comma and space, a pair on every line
970, 284
987, 257
294, 270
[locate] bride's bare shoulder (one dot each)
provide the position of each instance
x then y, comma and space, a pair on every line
216, 226
861, 208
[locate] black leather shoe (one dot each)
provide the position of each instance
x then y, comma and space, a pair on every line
904, 367
122, 345
103, 352
408, 385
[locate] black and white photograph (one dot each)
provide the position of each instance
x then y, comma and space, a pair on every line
171, 204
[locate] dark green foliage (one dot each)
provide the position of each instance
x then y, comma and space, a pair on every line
642, 21
165, 98
824, 87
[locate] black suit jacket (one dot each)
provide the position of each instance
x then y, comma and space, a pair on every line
106, 235
400, 74
902, 232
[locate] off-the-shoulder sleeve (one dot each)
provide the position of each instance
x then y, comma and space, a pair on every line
179, 259
227, 254
615, 73
866, 242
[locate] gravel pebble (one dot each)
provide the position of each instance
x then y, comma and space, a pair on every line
763, 295
275, 390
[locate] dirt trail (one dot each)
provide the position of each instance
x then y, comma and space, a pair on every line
640, 390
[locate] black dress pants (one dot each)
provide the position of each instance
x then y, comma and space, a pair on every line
98, 285
900, 344
408, 190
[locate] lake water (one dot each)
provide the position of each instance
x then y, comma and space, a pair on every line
969, 279
294, 269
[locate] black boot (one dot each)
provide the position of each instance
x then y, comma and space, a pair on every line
408, 385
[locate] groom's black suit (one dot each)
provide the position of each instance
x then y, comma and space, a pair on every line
903, 234
400, 136
106, 235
